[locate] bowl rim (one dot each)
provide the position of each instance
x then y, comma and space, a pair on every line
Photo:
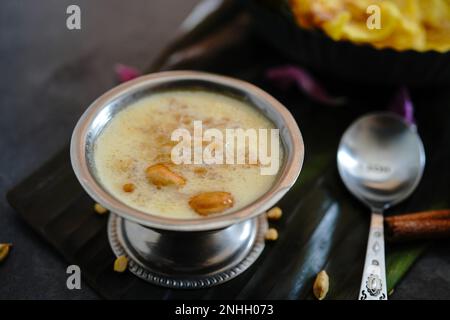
289, 172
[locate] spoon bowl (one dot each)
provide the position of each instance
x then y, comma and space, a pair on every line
381, 159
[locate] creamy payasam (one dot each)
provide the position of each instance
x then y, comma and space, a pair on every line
133, 156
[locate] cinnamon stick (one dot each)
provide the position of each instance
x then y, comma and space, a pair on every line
420, 225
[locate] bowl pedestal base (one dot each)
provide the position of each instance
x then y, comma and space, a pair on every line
188, 260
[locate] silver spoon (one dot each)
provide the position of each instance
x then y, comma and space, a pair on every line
381, 160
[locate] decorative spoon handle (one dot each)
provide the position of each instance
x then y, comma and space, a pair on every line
373, 284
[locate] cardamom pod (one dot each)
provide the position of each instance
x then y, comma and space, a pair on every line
100, 209
121, 264
271, 234
274, 213
4, 250
321, 285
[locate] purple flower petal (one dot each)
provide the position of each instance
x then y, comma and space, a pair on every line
403, 106
287, 76
126, 73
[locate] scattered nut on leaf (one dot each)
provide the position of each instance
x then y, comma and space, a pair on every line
4, 250
161, 175
271, 234
211, 202
121, 264
321, 285
274, 214
100, 209
128, 187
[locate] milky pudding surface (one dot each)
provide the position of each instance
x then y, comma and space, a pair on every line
135, 147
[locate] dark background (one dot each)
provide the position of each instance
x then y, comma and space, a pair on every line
42, 95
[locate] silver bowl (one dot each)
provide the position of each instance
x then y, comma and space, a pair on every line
185, 253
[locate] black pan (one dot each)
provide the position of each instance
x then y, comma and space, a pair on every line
343, 59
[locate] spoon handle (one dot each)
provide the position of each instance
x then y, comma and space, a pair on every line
373, 284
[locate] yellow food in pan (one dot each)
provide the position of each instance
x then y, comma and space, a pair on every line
403, 24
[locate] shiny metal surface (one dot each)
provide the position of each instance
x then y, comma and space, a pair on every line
380, 160
97, 116
185, 253
188, 260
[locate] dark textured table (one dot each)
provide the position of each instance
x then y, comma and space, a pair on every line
42, 95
